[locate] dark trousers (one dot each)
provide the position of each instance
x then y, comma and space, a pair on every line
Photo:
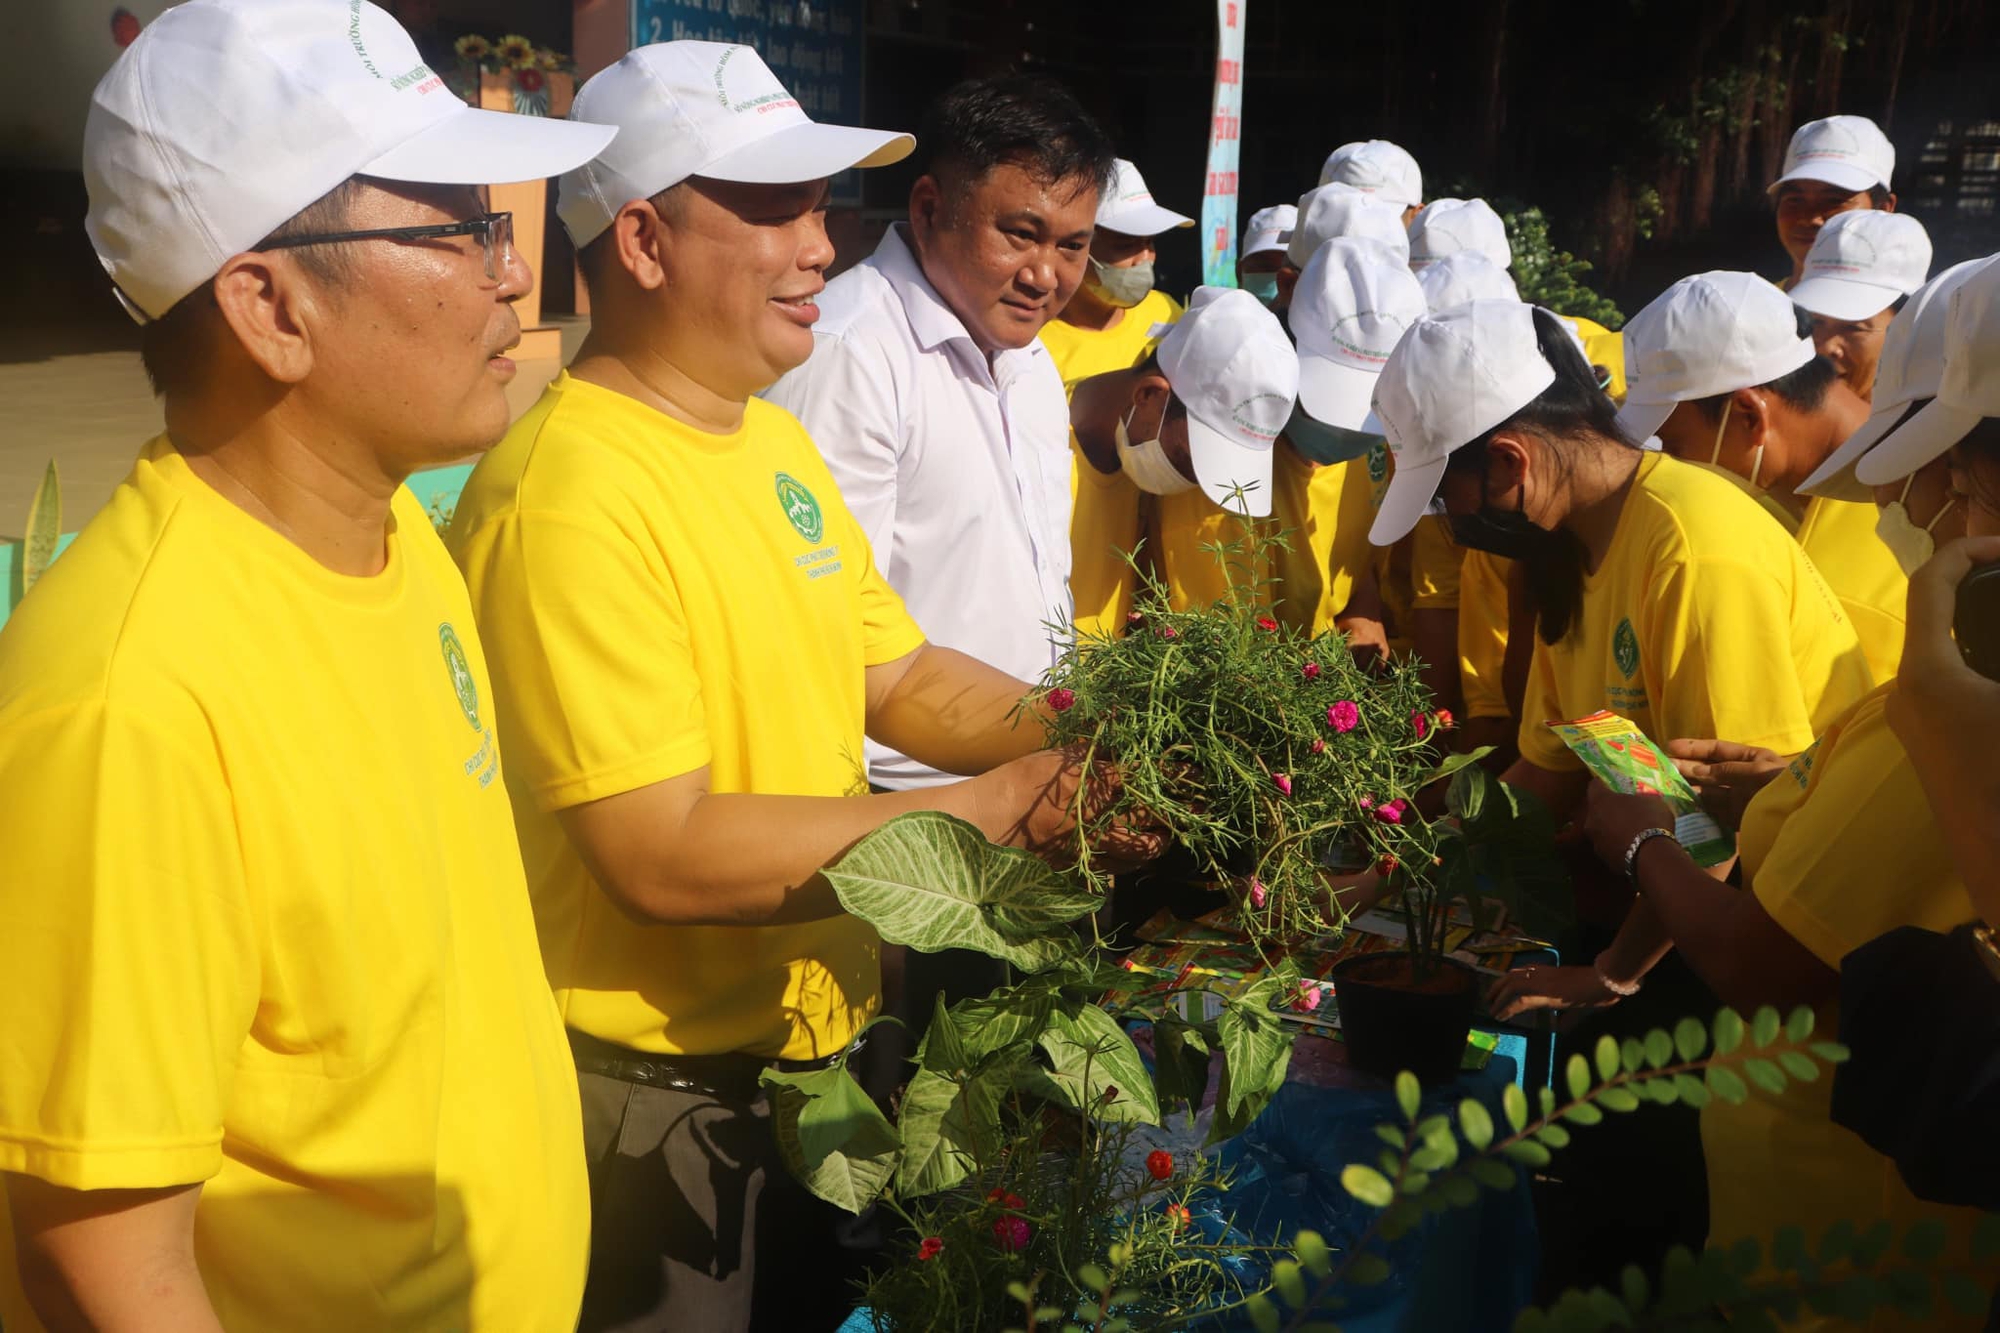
696, 1225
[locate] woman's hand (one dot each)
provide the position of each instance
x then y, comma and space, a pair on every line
1544, 987
1727, 776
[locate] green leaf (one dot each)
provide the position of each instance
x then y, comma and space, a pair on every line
1528, 1153
1607, 1056
1631, 1055
1392, 1136
1311, 1247
1799, 1066
1552, 1136
1019, 1291
1618, 1099
1728, 1031
1415, 1182
1368, 1270
1964, 1295
1727, 1084
1546, 1097
1409, 1095
1262, 1313
947, 1125
1583, 1113
1460, 1191
1788, 1248
1800, 1025
1925, 1240
1765, 1074
1367, 1184
1577, 1072
38, 547
1290, 1282
852, 1173
1633, 1286
1659, 1048
1837, 1242
991, 1023
1663, 1090
1514, 1105
1872, 1244
1690, 1039
941, 1049
1477, 1124
1829, 1052
932, 881
1093, 1277
1256, 1050
1764, 1028
1089, 1056
1692, 1090
1180, 1062
1494, 1175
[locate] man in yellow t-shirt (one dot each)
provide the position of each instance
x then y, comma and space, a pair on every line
279, 1051
1720, 370
691, 641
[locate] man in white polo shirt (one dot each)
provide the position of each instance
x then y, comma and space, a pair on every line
1837, 165
1380, 168
1117, 315
1863, 266
940, 413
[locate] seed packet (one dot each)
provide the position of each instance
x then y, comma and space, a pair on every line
1626, 761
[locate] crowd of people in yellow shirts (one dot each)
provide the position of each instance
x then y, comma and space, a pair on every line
398, 926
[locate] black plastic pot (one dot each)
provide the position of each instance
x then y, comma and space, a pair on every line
1392, 1022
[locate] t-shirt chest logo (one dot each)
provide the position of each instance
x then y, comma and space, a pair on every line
1625, 648
801, 509
460, 670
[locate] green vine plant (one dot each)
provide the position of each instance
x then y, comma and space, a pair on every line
1433, 1163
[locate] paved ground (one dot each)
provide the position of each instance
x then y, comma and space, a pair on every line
82, 399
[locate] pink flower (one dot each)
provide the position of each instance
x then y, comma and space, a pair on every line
1445, 720
1367, 803
929, 1247
1344, 716
1167, 632
1258, 893
1267, 624
1421, 722
1391, 812
1062, 700
1310, 671
1306, 1000
1319, 746
1284, 782
1011, 1234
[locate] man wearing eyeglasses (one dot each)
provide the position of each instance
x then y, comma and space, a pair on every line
279, 1052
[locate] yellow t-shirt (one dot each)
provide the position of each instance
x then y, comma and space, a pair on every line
1434, 565
1324, 513
1180, 533
1080, 353
1839, 537
1602, 347
1482, 633
661, 600
1704, 619
264, 927
1839, 849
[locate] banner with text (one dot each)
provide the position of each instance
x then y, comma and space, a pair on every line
1225, 137
813, 46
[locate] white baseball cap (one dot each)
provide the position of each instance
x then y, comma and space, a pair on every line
1707, 334
1378, 167
1910, 369
1341, 210
1351, 305
225, 118
1861, 262
1968, 391
1848, 151
1128, 207
1465, 275
1456, 374
702, 109
1232, 367
1447, 226
1269, 229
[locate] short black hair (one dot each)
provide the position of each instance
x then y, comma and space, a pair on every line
174, 347
1804, 389
1025, 120
593, 256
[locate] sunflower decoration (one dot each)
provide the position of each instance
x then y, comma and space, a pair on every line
472, 48
515, 52
551, 60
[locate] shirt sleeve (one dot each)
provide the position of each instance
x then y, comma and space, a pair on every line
1434, 566
1718, 657
1540, 706
887, 629
127, 942
1482, 635
846, 398
594, 669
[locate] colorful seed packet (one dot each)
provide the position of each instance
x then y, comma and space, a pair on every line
1624, 760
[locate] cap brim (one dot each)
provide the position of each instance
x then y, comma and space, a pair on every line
1223, 464
809, 152
1843, 298
1337, 395
1640, 420
1276, 243
475, 147
1916, 442
1834, 479
1144, 220
1411, 490
1833, 173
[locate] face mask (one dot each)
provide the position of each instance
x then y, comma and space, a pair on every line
1263, 286
1146, 463
1121, 287
1910, 544
1320, 443
1715, 454
1507, 533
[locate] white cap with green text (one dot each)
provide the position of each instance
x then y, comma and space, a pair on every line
1231, 366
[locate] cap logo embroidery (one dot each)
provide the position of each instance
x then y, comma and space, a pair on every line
775, 100
1241, 414
1351, 341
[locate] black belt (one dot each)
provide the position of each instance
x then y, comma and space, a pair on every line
733, 1074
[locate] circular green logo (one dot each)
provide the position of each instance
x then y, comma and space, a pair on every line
460, 670
1625, 648
801, 510
1378, 461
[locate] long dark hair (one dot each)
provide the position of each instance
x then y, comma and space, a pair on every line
1569, 411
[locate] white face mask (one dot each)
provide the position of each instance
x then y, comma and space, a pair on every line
1715, 454
1910, 544
1146, 462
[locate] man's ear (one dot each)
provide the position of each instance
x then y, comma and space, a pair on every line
640, 240
273, 309
1754, 409
1288, 281
1889, 204
926, 205
1150, 392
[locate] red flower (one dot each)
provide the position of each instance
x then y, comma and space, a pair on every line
1178, 1214
1011, 1234
1391, 812
1284, 782
1310, 671
1385, 865
1266, 624
1062, 700
529, 80
1257, 893
1445, 720
1421, 723
1344, 716
928, 1248
1005, 1200
1167, 632
1318, 746
1159, 1164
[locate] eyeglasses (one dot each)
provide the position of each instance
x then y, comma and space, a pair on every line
494, 230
